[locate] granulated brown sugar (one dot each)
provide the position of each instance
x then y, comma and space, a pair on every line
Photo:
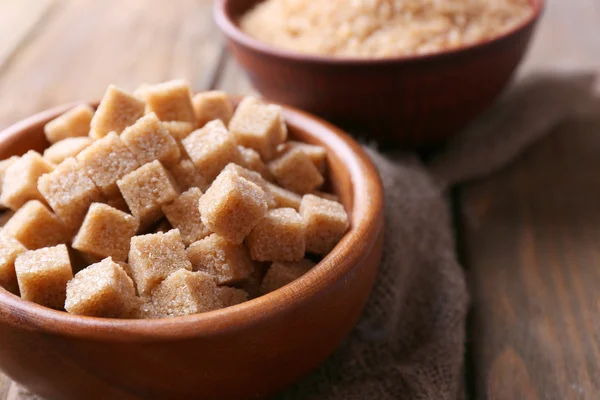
73, 123
383, 28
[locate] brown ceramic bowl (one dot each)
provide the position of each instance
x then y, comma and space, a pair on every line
411, 101
247, 351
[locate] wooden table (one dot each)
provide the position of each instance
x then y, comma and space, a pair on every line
530, 235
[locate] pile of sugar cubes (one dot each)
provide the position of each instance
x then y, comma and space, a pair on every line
163, 204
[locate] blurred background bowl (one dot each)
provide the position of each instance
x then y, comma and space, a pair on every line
408, 101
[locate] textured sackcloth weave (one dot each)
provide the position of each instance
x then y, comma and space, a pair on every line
409, 342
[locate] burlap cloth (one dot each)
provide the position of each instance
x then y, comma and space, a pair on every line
410, 340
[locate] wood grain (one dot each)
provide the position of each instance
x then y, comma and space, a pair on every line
234, 80
567, 39
85, 45
533, 235
531, 243
18, 21
5, 384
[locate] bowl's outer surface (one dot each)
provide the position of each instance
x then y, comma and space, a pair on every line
412, 101
243, 352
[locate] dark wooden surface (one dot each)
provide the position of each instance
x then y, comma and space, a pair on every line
531, 243
530, 234
532, 237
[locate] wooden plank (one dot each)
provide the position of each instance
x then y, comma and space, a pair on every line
87, 45
530, 239
533, 235
234, 80
5, 384
567, 38
18, 20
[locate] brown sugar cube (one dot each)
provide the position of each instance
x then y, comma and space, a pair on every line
279, 236
226, 262
229, 296
211, 149
10, 248
127, 270
117, 110
251, 159
149, 140
101, 290
284, 198
212, 105
171, 101
280, 274
186, 175
296, 172
317, 154
325, 195
185, 293
35, 226
106, 232
21, 178
140, 91
146, 190
255, 178
154, 256
4, 164
73, 123
106, 161
179, 130
145, 309
232, 206
43, 275
184, 215
325, 222
66, 148
70, 192
258, 126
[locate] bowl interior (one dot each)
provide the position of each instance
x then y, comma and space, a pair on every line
352, 177
235, 9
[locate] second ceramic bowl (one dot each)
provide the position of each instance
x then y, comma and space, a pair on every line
411, 101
